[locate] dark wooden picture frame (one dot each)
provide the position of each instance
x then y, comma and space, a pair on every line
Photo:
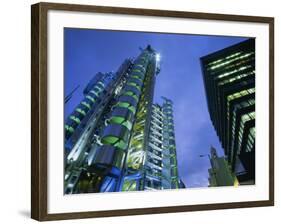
39, 106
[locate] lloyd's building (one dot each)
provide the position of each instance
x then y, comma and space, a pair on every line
117, 139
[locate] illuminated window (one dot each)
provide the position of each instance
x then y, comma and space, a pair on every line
226, 62
240, 94
235, 78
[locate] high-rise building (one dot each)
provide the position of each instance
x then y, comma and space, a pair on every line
117, 139
220, 172
159, 167
229, 78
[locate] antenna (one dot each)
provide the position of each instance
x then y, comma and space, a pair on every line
68, 97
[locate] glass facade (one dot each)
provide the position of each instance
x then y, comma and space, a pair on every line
229, 79
161, 162
116, 139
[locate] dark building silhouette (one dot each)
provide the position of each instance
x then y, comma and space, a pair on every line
220, 173
229, 79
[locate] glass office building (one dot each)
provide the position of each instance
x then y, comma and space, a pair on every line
116, 139
229, 79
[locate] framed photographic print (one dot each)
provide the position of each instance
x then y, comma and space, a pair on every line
139, 111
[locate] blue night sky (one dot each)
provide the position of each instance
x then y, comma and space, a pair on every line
90, 51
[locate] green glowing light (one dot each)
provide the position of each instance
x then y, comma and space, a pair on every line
86, 105
81, 111
76, 119
90, 98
